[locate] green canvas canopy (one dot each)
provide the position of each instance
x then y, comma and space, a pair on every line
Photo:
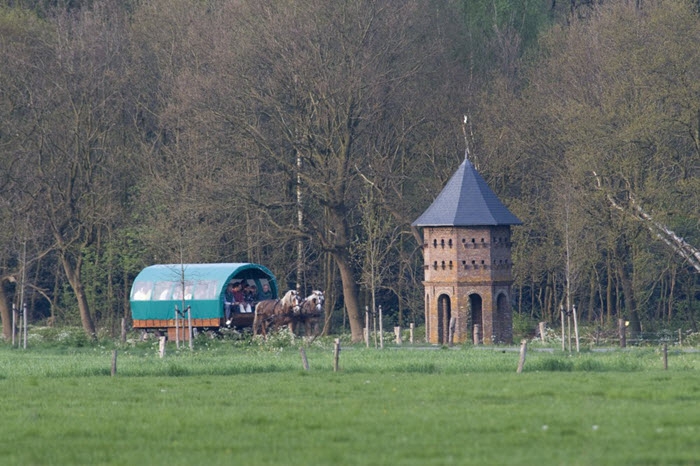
159, 289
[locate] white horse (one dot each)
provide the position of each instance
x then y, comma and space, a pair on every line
276, 312
311, 312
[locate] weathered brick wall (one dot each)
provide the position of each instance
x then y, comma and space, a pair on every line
459, 262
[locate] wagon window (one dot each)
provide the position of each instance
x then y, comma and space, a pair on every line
142, 291
205, 290
162, 291
178, 288
177, 294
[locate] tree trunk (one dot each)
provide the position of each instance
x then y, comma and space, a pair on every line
630, 301
608, 292
73, 274
532, 298
5, 313
691, 304
350, 296
591, 299
330, 292
672, 288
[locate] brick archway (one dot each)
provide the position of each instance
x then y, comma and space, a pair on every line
444, 305
477, 315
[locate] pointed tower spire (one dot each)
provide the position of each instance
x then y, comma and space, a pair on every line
466, 200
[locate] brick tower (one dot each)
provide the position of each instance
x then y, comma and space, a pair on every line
467, 262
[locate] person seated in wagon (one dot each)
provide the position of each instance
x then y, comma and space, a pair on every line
266, 292
251, 293
235, 296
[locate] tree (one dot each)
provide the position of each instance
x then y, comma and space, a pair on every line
608, 111
318, 81
71, 101
22, 242
376, 245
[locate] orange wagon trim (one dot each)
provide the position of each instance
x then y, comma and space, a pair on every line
170, 323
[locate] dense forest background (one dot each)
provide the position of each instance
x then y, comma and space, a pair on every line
308, 135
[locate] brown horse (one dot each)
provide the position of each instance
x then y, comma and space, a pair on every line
311, 312
276, 312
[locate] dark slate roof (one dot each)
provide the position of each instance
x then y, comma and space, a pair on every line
467, 200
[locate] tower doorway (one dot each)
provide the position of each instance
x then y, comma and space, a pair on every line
444, 316
477, 315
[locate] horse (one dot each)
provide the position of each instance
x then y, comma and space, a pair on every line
276, 311
311, 312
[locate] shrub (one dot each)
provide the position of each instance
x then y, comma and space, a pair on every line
276, 340
523, 326
589, 365
692, 339
555, 365
60, 336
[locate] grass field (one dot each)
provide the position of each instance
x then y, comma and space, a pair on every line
227, 403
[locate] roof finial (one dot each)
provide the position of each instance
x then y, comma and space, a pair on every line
466, 140
467, 153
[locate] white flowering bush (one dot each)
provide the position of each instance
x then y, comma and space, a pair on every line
63, 336
551, 336
691, 339
276, 340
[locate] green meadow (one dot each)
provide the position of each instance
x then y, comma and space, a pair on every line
237, 402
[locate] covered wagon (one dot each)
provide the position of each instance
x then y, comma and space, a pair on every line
162, 294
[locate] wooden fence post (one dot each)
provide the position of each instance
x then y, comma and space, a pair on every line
563, 336
367, 326
410, 335
576, 328
665, 357
381, 328
543, 328
397, 333
523, 350
123, 335
114, 363
621, 330
477, 334
24, 320
336, 354
14, 323
189, 326
304, 361
453, 328
161, 347
177, 328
